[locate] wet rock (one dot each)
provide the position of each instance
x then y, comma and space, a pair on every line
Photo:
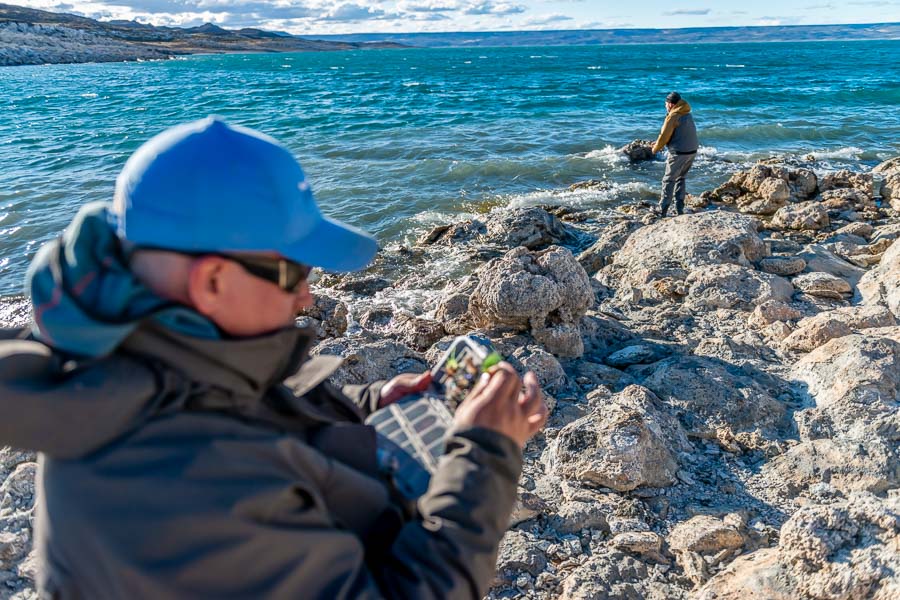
814, 331
733, 286
710, 394
881, 285
638, 151
635, 355
772, 311
847, 466
782, 265
545, 293
846, 550
623, 446
367, 361
802, 216
418, 333
328, 316
823, 284
533, 228
854, 381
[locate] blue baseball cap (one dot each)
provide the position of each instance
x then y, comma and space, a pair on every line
208, 186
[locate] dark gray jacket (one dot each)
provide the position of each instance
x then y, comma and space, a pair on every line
184, 468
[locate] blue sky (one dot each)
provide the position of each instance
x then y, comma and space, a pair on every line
361, 16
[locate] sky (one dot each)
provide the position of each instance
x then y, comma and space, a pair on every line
305, 17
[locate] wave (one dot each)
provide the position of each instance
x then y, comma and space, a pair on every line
607, 154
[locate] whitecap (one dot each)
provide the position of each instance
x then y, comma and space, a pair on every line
89, 95
412, 83
607, 154
849, 153
727, 66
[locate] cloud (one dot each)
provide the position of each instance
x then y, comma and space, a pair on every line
489, 7
688, 11
430, 6
547, 19
352, 12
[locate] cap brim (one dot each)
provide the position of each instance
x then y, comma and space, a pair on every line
333, 246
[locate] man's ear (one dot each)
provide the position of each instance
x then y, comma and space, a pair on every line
205, 284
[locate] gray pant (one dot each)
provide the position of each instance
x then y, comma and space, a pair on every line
677, 166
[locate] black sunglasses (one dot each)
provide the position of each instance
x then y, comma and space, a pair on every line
284, 273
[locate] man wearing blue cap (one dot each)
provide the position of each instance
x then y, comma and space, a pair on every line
190, 446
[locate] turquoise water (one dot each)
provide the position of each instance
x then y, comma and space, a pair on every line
395, 141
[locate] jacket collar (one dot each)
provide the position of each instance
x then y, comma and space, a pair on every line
242, 366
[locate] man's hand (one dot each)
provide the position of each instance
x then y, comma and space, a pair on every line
497, 402
403, 385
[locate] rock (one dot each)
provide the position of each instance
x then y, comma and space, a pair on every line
576, 515
803, 183
846, 179
527, 506
854, 382
519, 553
365, 362
328, 316
772, 311
601, 334
881, 285
847, 466
546, 367
782, 265
705, 535
601, 252
814, 331
623, 446
638, 151
801, 216
418, 333
733, 286
642, 543
710, 394
772, 194
634, 355
452, 310
596, 375
823, 284
863, 230
672, 248
614, 576
364, 285
819, 259
546, 292
846, 550
533, 228
17, 491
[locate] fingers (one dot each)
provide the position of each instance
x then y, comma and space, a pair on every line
504, 382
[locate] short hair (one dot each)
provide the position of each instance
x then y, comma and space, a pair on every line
673, 98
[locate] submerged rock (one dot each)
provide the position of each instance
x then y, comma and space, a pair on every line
638, 151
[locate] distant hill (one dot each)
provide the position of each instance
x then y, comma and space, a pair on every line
586, 37
30, 36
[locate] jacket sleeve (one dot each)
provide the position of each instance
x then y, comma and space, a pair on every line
665, 134
448, 553
366, 397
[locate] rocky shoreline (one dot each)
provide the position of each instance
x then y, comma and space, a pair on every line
724, 384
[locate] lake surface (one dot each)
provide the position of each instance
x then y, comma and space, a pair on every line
396, 141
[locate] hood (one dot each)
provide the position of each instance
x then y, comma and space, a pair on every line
84, 297
682, 108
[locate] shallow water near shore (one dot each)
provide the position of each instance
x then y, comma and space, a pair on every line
396, 141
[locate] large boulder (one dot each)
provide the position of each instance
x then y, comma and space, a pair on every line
733, 286
626, 444
847, 550
709, 395
638, 151
672, 248
772, 194
601, 252
820, 259
854, 382
545, 293
881, 285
